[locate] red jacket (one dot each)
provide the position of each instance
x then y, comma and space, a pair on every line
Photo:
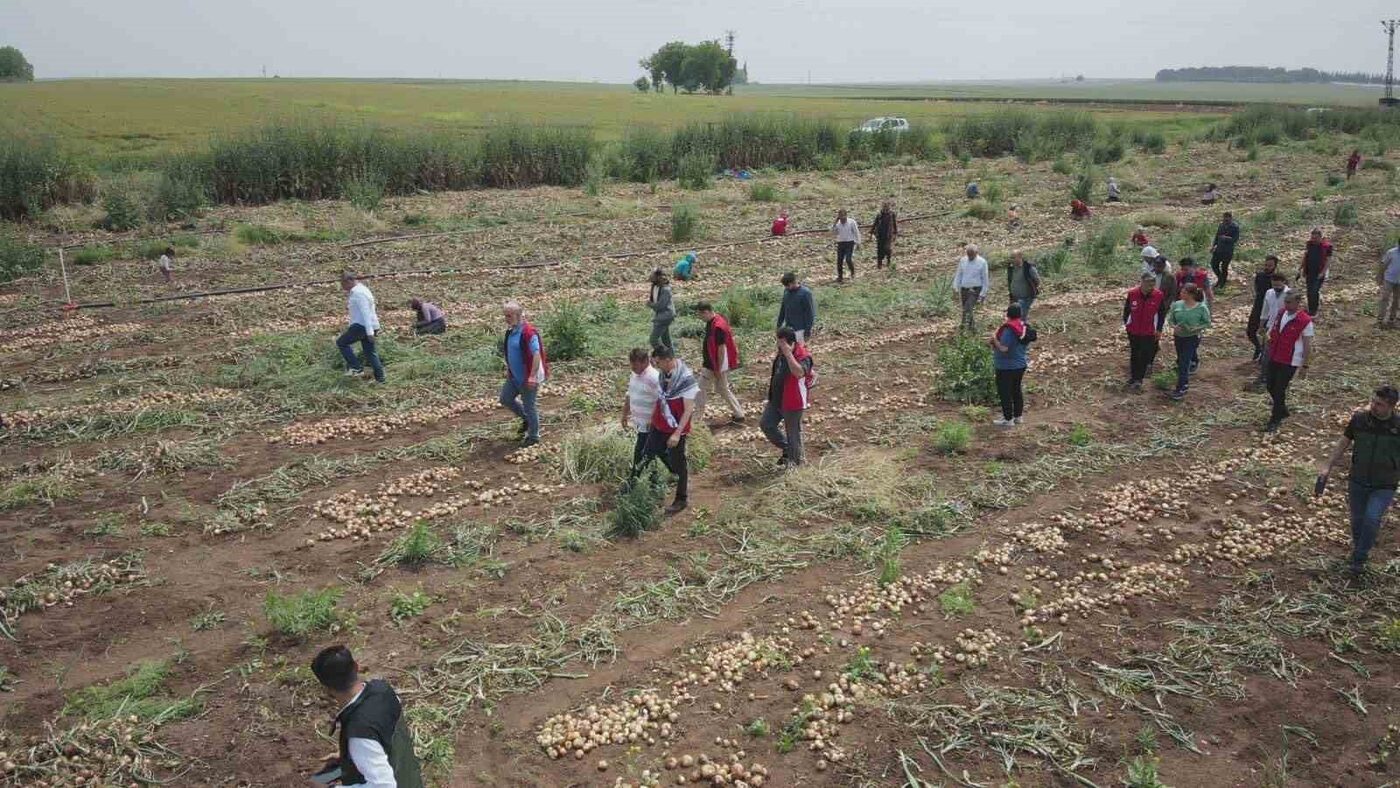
1353, 161
1143, 314
795, 394
1077, 208
1281, 343
718, 324
780, 225
677, 408
1140, 239
527, 333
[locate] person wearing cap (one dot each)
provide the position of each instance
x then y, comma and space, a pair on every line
1222, 252
1313, 268
1140, 238
1373, 435
1144, 312
1290, 345
684, 271
1263, 281
970, 282
663, 312
1149, 256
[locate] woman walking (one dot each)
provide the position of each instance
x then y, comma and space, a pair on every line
1189, 318
1009, 358
663, 312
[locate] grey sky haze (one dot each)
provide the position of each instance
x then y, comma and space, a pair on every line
834, 40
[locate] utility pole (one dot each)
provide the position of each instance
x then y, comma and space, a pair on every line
1389, 26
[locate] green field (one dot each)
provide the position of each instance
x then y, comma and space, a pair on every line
102, 119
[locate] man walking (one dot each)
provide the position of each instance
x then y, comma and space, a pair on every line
1388, 278
1144, 311
1316, 255
798, 310
663, 313
1353, 161
1022, 283
1191, 274
719, 357
1222, 252
526, 370
376, 747
1373, 435
847, 234
643, 390
671, 420
1273, 306
1263, 281
971, 282
1290, 345
1163, 278
364, 322
787, 397
884, 230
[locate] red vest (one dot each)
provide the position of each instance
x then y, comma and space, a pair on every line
796, 395
731, 350
1281, 343
1143, 311
780, 225
527, 335
1199, 280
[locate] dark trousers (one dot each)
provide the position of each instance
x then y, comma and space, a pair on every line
1368, 507
356, 333
1314, 294
1013, 402
639, 451
1186, 349
845, 254
1142, 351
789, 438
431, 326
1220, 264
1278, 377
673, 459
1251, 332
660, 334
884, 250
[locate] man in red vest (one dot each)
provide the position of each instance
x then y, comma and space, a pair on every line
526, 370
671, 420
719, 356
1316, 256
1144, 310
1290, 344
1190, 273
787, 397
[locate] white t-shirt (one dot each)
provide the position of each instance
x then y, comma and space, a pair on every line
642, 393
165, 264
1273, 304
847, 231
1283, 320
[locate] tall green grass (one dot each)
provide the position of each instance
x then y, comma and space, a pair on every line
1270, 124
18, 257
35, 175
1031, 136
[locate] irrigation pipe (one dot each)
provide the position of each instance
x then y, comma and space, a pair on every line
451, 271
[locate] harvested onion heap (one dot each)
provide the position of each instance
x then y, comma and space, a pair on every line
976, 646
68, 330
377, 424
730, 664
1150, 580
115, 751
912, 591
701, 770
241, 520
529, 454
61, 584
1041, 538
162, 398
643, 718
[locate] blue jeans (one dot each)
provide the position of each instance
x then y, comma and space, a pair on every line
356, 333
1368, 507
1186, 348
1026, 307
524, 408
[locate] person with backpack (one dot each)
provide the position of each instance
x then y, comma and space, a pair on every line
374, 742
675, 412
1009, 343
1222, 252
789, 388
1144, 312
1290, 345
526, 370
719, 357
1022, 283
663, 313
1313, 269
1373, 435
885, 229
1189, 319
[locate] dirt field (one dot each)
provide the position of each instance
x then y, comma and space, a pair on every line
1123, 590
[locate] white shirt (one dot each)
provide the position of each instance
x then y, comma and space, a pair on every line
368, 755
642, 393
1149, 267
1283, 320
1391, 261
165, 264
972, 273
849, 231
1273, 304
361, 304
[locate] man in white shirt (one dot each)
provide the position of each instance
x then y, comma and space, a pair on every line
643, 390
847, 234
1388, 278
1268, 313
364, 324
1149, 261
970, 282
1290, 345
375, 744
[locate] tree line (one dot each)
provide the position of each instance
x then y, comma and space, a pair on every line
13, 66
1264, 74
707, 66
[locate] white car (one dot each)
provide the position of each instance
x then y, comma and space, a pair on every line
874, 125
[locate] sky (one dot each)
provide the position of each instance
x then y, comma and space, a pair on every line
602, 40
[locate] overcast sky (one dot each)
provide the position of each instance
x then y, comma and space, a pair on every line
783, 41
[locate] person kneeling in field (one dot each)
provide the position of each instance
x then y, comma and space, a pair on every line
376, 747
788, 391
671, 421
430, 318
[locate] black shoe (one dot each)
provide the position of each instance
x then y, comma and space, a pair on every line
782, 460
739, 420
677, 507
1273, 425
523, 429
528, 442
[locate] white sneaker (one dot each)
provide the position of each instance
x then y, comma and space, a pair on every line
354, 373
1017, 420
1003, 422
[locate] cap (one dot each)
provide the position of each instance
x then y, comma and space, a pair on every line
1149, 251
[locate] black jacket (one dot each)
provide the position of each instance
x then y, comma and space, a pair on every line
378, 715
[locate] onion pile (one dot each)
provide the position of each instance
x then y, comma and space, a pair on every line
162, 398
377, 424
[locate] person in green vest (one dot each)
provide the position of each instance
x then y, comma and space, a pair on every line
376, 748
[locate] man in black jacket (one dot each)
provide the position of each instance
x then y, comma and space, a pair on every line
376, 748
1263, 281
1222, 252
798, 310
884, 230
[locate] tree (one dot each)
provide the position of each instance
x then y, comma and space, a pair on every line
642, 84
13, 66
705, 66
668, 61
